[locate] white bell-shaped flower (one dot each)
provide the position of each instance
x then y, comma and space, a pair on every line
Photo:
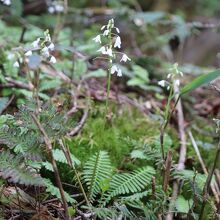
28, 53
114, 69
109, 52
162, 83
53, 59
51, 46
35, 44
45, 52
119, 73
117, 42
125, 58
97, 39
102, 50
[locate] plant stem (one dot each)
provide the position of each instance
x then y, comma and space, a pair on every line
109, 72
208, 182
70, 162
56, 172
108, 91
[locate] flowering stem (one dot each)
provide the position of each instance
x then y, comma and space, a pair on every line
108, 90
109, 71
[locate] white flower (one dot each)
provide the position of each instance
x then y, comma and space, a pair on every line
118, 42
169, 75
119, 73
51, 9
125, 58
6, 2
97, 39
51, 46
16, 64
109, 52
117, 30
106, 32
35, 44
177, 82
102, 50
103, 27
114, 69
48, 38
162, 83
45, 52
28, 53
59, 8
53, 59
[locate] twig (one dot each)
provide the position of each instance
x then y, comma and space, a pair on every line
56, 172
19, 84
208, 182
80, 124
8, 103
203, 165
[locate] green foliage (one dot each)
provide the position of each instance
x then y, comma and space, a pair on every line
199, 81
96, 135
97, 170
182, 205
140, 77
3, 103
54, 191
126, 183
14, 169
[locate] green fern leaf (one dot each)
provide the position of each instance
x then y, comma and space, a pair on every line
14, 170
60, 157
96, 171
54, 191
126, 183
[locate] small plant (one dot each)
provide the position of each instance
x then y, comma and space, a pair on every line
111, 36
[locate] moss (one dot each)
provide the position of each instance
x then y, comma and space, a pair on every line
98, 134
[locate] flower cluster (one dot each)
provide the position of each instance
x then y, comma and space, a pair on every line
44, 45
6, 2
173, 75
56, 7
114, 41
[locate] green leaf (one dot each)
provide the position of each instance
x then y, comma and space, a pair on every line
182, 205
3, 103
54, 191
96, 73
199, 81
80, 68
135, 82
141, 73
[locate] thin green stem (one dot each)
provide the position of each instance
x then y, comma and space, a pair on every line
108, 91
109, 71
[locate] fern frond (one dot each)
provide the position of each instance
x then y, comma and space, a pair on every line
126, 183
14, 170
60, 157
54, 191
136, 196
95, 171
